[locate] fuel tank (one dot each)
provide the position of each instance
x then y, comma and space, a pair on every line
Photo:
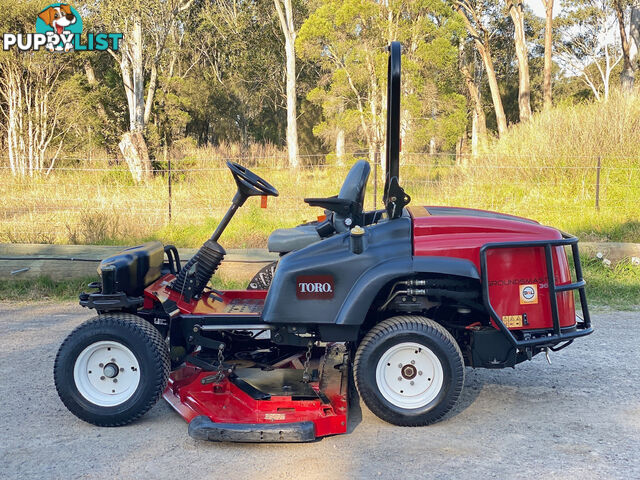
517, 277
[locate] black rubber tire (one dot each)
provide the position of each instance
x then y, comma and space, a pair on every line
144, 341
420, 330
262, 279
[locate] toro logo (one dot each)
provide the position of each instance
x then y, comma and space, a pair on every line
314, 287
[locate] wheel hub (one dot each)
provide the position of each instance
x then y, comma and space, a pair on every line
409, 372
409, 375
111, 370
106, 373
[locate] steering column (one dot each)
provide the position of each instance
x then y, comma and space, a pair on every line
193, 278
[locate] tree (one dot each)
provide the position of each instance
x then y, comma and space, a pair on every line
472, 13
348, 40
32, 102
145, 26
628, 69
472, 80
289, 31
33, 106
589, 46
548, 52
516, 11
634, 29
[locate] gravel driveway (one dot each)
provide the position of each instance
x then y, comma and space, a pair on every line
577, 418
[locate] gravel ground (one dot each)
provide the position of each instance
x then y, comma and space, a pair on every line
576, 418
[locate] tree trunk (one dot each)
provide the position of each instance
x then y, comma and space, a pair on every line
481, 39
125, 72
432, 146
340, 150
153, 83
474, 133
524, 90
548, 52
479, 122
292, 118
288, 29
627, 73
137, 67
93, 82
501, 118
132, 143
134, 151
91, 74
634, 32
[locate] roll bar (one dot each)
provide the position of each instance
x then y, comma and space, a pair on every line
394, 197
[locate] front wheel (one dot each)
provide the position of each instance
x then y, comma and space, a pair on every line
112, 369
409, 371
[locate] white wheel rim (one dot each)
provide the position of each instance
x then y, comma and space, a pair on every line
409, 375
106, 373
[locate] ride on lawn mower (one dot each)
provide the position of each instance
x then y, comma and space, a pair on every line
411, 294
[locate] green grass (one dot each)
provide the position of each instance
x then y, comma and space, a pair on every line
45, 289
42, 289
616, 287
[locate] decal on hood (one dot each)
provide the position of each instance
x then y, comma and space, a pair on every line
314, 287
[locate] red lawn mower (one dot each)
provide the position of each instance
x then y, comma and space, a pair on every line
411, 294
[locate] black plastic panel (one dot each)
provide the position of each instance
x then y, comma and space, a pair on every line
388, 241
135, 268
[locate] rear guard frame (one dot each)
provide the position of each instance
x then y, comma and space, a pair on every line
583, 325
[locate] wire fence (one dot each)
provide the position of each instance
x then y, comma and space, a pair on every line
95, 201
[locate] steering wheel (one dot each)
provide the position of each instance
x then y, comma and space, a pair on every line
250, 184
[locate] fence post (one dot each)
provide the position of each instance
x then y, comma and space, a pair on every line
598, 185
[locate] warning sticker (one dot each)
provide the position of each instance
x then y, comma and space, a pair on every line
528, 294
512, 321
274, 416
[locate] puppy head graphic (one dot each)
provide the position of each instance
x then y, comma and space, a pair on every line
58, 18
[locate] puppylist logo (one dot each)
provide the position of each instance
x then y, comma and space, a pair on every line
59, 29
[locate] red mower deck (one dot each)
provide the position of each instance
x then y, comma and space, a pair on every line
253, 405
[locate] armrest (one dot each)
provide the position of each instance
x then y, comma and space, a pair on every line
334, 204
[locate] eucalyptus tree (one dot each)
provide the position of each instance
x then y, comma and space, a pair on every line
517, 13
32, 102
145, 25
627, 9
548, 52
348, 39
589, 47
477, 15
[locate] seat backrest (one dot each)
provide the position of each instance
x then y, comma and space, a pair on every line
353, 188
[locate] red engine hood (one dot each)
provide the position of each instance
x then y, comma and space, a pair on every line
460, 232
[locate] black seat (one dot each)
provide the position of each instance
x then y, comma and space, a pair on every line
285, 240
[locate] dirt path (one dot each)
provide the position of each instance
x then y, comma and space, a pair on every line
577, 418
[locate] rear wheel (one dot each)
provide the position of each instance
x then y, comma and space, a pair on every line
409, 371
112, 369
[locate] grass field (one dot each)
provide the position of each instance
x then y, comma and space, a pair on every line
97, 203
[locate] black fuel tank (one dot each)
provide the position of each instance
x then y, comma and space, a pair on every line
131, 270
